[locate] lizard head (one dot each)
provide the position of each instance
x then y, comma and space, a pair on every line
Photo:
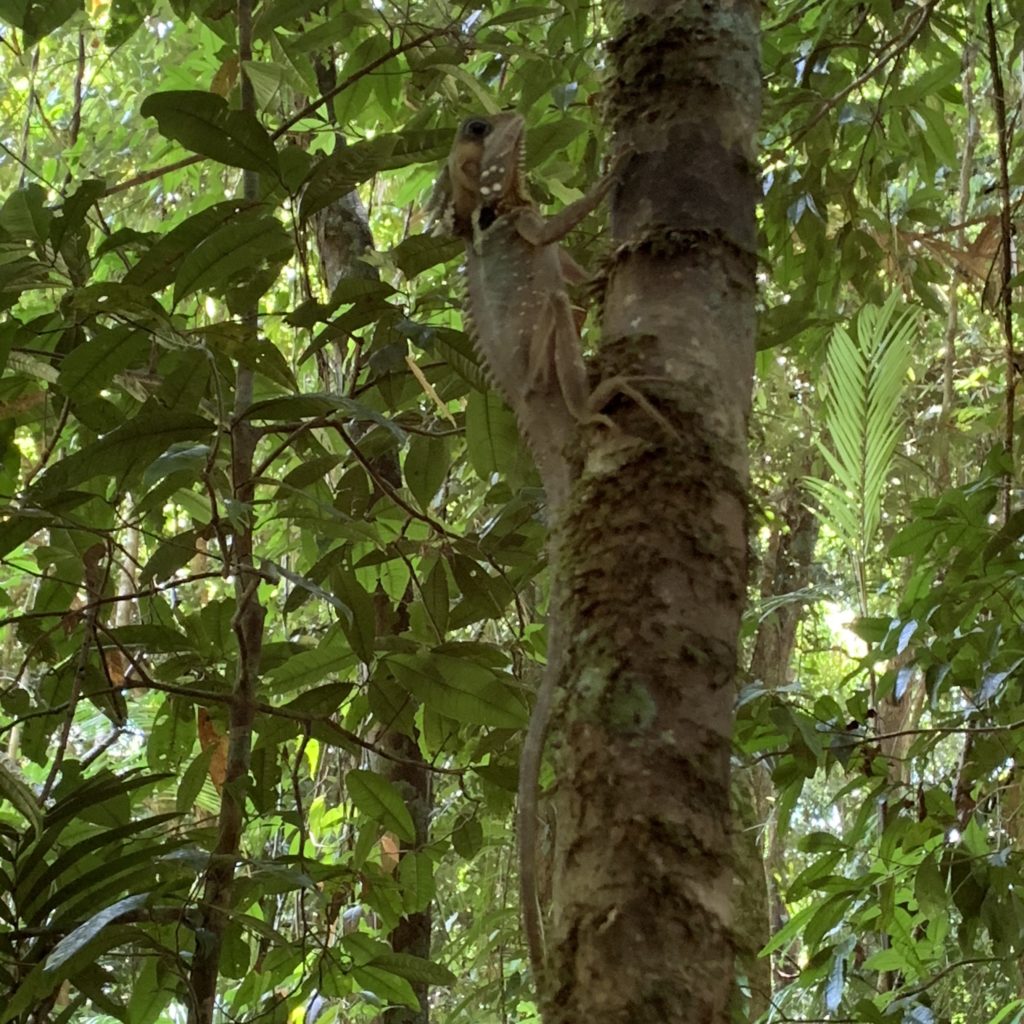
484, 169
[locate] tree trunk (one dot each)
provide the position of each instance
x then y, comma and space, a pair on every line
786, 570
651, 552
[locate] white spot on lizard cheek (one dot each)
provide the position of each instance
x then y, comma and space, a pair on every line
635, 322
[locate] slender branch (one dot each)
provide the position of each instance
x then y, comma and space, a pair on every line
200, 696
894, 49
76, 92
100, 601
1008, 249
411, 510
952, 300
247, 625
27, 125
156, 172
306, 111
48, 450
347, 83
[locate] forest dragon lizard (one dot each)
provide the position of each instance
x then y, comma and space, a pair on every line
523, 328
518, 312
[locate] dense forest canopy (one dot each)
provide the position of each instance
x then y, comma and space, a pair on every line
272, 562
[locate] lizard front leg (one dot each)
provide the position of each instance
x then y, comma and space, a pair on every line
538, 230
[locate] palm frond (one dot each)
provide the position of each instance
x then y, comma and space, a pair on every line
866, 371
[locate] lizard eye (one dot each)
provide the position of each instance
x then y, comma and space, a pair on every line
475, 128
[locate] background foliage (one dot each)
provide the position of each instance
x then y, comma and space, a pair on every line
398, 528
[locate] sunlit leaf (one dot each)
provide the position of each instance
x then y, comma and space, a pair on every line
203, 122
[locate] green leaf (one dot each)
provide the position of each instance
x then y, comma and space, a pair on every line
416, 876
385, 984
414, 968
24, 214
233, 251
91, 367
461, 689
152, 990
45, 16
158, 265
426, 467
76, 208
338, 174
436, 598
362, 630
930, 888
380, 801
192, 781
468, 838
300, 671
16, 792
203, 122
126, 450
553, 137
420, 252
492, 437
85, 933
172, 554
527, 12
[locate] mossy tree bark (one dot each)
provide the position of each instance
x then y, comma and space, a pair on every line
651, 550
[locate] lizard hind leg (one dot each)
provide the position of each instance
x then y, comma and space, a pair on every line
555, 355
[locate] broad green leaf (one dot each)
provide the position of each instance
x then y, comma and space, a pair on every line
551, 137
157, 266
416, 876
203, 122
76, 208
24, 214
460, 689
126, 16
426, 467
338, 174
361, 630
468, 838
192, 781
234, 251
172, 554
457, 350
92, 366
930, 888
492, 438
153, 990
415, 968
85, 933
302, 670
45, 16
436, 599
526, 12
379, 800
421, 252
385, 984
124, 451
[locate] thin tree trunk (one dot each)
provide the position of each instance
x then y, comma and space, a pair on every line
247, 625
652, 549
785, 571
